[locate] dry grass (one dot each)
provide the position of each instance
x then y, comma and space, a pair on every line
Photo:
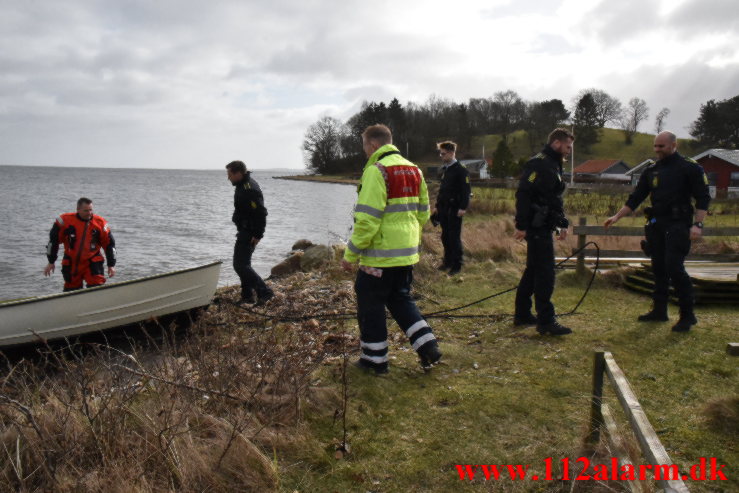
212, 411
723, 415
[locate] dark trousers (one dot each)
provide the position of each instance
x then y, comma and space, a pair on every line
392, 290
669, 242
250, 280
451, 237
538, 277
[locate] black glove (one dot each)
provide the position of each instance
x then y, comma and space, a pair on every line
435, 218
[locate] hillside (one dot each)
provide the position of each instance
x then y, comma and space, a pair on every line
611, 146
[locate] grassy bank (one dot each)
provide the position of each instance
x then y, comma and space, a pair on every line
610, 146
253, 400
509, 396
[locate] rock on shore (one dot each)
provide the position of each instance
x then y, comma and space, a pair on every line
305, 257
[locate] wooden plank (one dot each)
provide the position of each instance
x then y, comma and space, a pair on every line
618, 448
596, 418
639, 231
650, 445
733, 348
715, 257
612, 231
707, 277
581, 241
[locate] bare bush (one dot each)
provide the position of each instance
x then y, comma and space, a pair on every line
207, 412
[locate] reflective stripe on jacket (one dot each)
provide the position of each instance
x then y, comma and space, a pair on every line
392, 207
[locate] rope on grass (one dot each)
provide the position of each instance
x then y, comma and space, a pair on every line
440, 313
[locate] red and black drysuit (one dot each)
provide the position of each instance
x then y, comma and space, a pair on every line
83, 244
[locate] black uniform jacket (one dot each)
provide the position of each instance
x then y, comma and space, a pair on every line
672, 182
455, 190
250, 215
540, 189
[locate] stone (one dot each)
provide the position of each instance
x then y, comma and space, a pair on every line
302, 245
287, 266
315, 256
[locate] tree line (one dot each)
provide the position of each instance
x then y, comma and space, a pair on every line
331, 146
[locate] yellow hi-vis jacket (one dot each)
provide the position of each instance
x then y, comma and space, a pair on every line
392, 207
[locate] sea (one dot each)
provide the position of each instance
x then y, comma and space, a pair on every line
162, 220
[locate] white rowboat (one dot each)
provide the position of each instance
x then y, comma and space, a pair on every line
107, 306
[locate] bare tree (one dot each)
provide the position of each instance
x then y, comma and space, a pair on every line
659, 121
636, 112
322, 145
607, 108
511, 108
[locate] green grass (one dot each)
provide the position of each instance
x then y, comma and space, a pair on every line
506, 395
611, 146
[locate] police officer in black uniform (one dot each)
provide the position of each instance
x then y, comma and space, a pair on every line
451, 205
539, 212
250, 217
671, 224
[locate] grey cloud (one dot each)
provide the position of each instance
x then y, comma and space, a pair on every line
613, 22
681, 88
375, 93
697, 16
551, 44
516, 8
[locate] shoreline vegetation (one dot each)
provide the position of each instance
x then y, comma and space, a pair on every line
337, 179
252, 399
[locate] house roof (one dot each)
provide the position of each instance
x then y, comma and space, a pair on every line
596, 166
640, 167
728, 155
473, 164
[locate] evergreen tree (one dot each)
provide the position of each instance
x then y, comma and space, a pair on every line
504, 163
585, 121
718, 124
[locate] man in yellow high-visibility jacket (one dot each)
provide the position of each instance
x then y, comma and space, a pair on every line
392, 207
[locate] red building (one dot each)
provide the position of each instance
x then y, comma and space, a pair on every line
722, 168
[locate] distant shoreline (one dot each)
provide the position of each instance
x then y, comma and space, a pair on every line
340, 180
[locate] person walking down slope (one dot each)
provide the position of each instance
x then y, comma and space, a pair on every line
250, 218
392, 207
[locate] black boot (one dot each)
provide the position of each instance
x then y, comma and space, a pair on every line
525, 319
657, 314
368, 366
685, 323
248, 296
554, 328
429, 354
264, 297
687, 318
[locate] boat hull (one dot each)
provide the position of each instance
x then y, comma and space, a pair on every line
107, 306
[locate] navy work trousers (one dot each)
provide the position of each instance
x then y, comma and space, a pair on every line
250, 280
538, 277
669, 243
391, 290
451, 237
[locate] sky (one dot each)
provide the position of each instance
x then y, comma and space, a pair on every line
197, 84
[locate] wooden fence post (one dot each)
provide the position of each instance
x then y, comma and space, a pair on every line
596, 414
581, 240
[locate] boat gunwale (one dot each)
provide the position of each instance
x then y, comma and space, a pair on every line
78, 292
